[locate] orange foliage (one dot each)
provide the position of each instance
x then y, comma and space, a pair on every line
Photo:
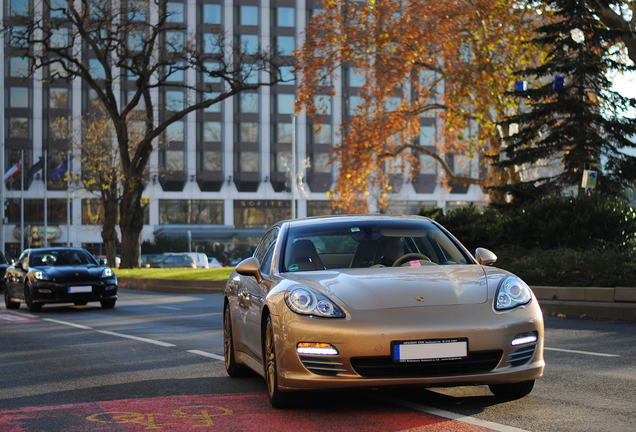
452, 59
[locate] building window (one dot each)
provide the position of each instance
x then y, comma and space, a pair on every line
285, 17
249, 44
34, 210
92, 212
175, 132
211, 44
284, 133
323, 105
249, 161
96, 69
283, 162
321, 163
17, 8
174, 100
427, 136
212, 14
319, 208
214, 108
210, 69
248, 132
355, 77
18, 127
210, 161
248, 103
19, 97
174, 161
284, 103
287, 75
260, 213
285, 45
18, 67
175, 12
428, 165
59, 98
248, 16
322, 135
191, 212
175, 41
212, 131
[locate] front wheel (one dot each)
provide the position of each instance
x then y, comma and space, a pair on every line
277, 398
512, 391
232, 368
108, 304
7, 301
31, 306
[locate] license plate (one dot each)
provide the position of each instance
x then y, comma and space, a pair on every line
429, 350
80, 289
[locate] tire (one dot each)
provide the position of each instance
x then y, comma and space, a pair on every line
232, 368
512, 391
278, 399
108, 304
8, 303
32, 307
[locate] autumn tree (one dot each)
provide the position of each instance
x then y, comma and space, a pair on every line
620, 16
125, 53
571, 113
453, 59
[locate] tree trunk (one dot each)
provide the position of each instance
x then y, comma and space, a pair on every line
131, 222
109, 231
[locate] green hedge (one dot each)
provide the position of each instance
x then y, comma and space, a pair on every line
560, 241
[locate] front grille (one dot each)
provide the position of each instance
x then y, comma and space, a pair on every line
321, 365
521, 356
384, 367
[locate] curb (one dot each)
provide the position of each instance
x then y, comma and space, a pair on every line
593, 302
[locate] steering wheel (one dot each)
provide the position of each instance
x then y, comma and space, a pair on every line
408, 257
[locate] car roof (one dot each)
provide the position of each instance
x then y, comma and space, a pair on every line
325, 220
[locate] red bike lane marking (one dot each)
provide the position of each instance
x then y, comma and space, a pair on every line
234, 412
7, 317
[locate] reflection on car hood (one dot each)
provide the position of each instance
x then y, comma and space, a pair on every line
72, 273
374, 288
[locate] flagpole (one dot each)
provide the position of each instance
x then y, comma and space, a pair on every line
68, 200
21, 204
46, 186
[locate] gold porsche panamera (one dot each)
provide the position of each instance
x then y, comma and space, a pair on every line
370, 301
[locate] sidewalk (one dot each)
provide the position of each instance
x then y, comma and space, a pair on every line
612, 303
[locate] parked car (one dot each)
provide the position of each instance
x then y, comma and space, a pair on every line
174, 260
58, 275
378, 301
146, 260
4, 265
200, 259
105, 260
214, 263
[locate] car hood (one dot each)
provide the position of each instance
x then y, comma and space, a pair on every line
376, 288
72, 273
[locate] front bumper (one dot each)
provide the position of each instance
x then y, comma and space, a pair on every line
52, 292
364, 348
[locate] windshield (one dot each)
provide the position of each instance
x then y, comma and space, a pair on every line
64, 257
370, 244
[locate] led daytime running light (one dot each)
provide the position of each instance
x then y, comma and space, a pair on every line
524, 338
316, 348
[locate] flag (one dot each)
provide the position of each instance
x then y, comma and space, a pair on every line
60, 172
35, 168
13, 172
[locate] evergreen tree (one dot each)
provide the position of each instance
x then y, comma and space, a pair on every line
571, 114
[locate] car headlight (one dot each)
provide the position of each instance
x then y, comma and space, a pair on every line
42, 275
512, 292
306, 301
107, 272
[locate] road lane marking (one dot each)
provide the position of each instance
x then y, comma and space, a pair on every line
68, 323
207, 354
451, 415
581, 352
137, 338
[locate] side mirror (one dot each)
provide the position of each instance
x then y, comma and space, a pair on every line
484, 256
102, 261
18, 265
250, 267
